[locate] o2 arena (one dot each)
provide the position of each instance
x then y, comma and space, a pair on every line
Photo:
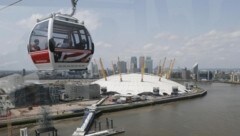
133, 84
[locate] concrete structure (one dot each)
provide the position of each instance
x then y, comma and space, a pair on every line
132, 84
149, 65
195, 72
133, 65
74, 91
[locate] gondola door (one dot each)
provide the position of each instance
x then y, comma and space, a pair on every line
73, 46
38, 46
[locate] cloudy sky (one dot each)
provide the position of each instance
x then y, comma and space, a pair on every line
202, 31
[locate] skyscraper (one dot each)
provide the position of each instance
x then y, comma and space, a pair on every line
133, 64
195, 72
94, 70
185, 74
149, 65
123, 66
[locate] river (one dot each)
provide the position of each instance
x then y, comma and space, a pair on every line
216, 114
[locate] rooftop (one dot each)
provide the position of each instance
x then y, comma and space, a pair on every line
132, 84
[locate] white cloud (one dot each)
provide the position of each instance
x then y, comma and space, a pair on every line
166, 36
213, 48
147, 46
103, 44
7, 64
90, 18
31, 21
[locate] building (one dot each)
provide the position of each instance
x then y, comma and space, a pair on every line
75, 91
195, 72
123, 66
141, 62
186, 74
206, 75
115, 68
131, 84
55, 92
31, 95
133, 65
149, 65
94, 70
23, 72
16, 93
156, 70
8, 87
235, 77
176, 75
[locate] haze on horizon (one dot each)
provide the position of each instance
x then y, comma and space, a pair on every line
202, 31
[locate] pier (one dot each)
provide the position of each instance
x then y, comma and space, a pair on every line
90, 114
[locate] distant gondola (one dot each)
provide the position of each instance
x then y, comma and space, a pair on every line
60, 42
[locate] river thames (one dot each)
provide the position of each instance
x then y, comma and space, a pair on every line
216, 114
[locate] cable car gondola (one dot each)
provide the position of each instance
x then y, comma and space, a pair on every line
60, 42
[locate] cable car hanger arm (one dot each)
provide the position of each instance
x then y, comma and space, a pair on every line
74, 4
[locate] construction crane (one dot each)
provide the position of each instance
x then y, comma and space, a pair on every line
170, 69
162, 69
102, 69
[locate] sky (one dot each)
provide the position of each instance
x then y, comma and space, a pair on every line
206, 32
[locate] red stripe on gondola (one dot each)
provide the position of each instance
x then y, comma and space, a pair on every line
40, 57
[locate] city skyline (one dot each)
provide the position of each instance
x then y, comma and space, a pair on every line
206, 32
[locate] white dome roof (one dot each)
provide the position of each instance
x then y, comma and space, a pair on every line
132, 84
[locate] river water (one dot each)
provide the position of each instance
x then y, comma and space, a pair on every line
216, 114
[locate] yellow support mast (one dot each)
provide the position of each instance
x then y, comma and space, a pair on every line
171, 68
119, 69
158, 72
162, 69
167, 73
102, 69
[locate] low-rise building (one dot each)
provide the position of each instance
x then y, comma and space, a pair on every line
74, 91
